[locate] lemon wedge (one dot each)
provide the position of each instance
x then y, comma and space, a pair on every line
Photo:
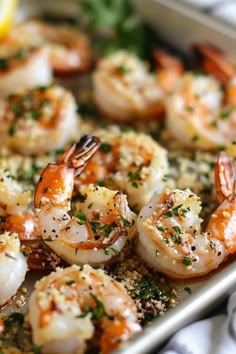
7, 11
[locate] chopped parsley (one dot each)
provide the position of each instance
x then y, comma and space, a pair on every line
17, 109
49, 239
3, 64
96, 311
225, 114
15, 318
190, 108
165, 178
81, 216
115, 250
184, 212
133, 176
186, 261
173, 212
177, 229
101, 182
99, 228
195, 138
2, 218
214, 123
20, 54
105, 147
12, 130
176, 238
70, 282
34, 114
125, 221
122, 69
161, 228
37, 349
12, 325
147, 288
188, 290
106, 251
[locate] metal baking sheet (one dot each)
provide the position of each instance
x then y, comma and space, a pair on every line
214, 288
196, 306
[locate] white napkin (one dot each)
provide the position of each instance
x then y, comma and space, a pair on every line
222, 9
226, 12
215, 335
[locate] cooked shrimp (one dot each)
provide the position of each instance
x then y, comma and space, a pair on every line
124, 89
25, 225
213, 62
168, 69
65, 305
22, 67
38, 120
68, 49
128, 161
13, 198
170, 236
13, 266
197, 115
101, 223
15, 213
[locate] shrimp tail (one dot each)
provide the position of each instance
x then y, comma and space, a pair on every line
164, 60
84, 150
212, 61
56, 182
224, 218
113, 334
225, 178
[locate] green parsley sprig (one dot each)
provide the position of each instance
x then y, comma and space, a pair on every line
116, 24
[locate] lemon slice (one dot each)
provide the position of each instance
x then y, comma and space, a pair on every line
7, 11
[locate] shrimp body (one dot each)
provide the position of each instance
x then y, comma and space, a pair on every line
13, 198
196, 115
97, 232
168, 68
65, 304
15, 214
68, 50
25, 225
170, 236
22, 67
13, 266
124, 90
128, 161
38, 120
100, 224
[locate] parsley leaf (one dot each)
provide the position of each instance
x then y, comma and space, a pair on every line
117, 18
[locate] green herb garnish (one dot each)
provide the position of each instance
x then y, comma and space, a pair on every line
3, 64
118, 19
186, 261
81, 216
97, 312
105, 147
188, 290
17, 109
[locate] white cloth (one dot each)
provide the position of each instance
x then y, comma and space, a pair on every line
220, 9
215, 335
